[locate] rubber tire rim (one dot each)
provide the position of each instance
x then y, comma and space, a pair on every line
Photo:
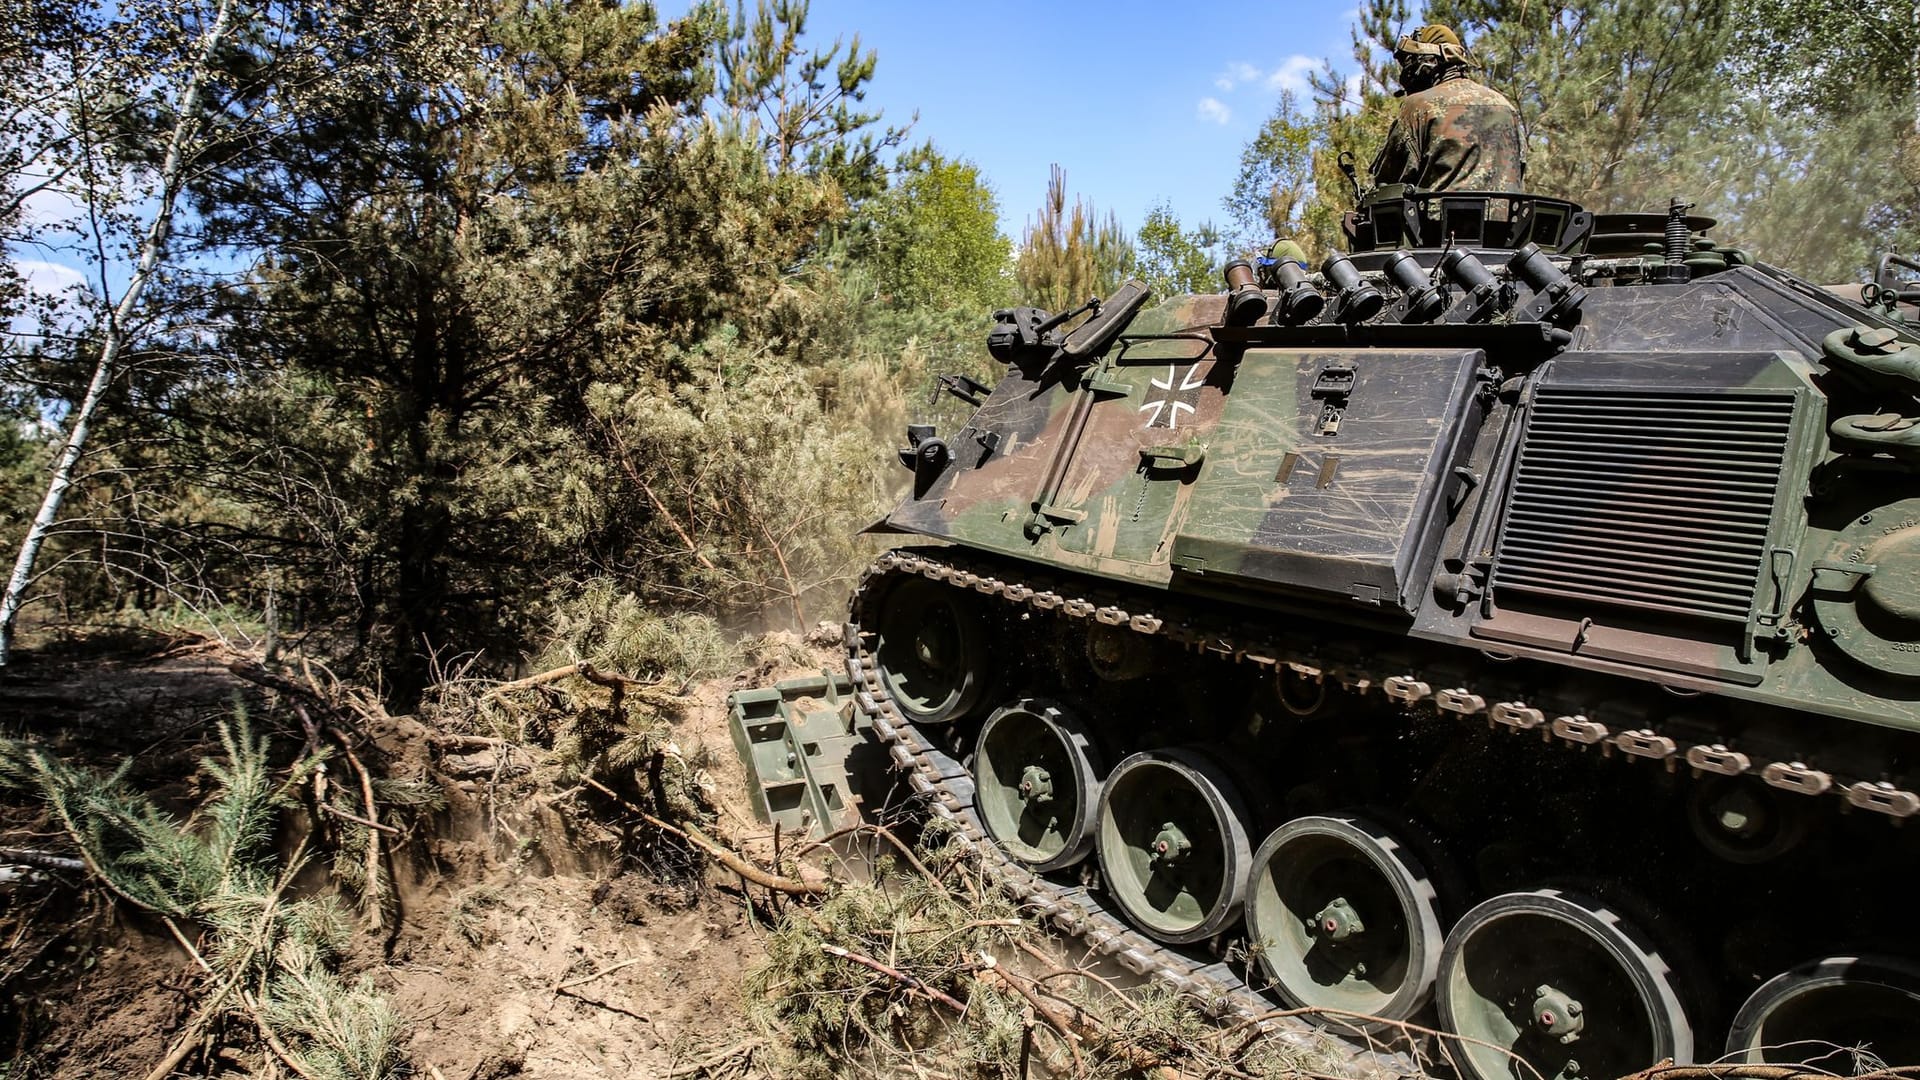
1123, 866
1074, 761
1584, 921
1416, 922
1751, 1038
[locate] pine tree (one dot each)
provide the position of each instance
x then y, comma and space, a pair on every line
530, 325
1070, 255
133, 101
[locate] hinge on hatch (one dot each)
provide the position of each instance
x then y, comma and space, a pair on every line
1173, 457
1099, 387
1045, 517
1098, 383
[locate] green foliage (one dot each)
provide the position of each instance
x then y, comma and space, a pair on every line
23, 459
217, 869
616, 631
559, 294
804, 103
1274, 186
749, 488
120, 108
935, 235
145, 854
565, 350
1290, 184
1846, 81
1173, 260
1069, 255
1829, 55
334, 1030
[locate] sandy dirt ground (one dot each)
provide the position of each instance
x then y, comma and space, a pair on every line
519, 952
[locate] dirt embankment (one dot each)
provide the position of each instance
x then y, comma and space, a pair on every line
517, 943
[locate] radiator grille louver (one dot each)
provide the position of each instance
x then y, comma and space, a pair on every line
1656, 502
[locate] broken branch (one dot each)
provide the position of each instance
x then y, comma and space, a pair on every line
601, 974
42, 860
723, 855
901, 977
375, 917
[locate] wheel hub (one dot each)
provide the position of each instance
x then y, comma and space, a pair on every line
1558, 1014
1742, 821
934, 645
1508, 983
1338, 922
1740, 814
1173, 844
1169, 844
1036, 785
1314, 877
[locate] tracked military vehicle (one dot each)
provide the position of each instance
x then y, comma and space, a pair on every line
1509, 626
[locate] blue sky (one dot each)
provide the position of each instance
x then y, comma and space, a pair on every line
1139, 102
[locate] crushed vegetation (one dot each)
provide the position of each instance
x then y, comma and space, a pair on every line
322, 915
277, 863
925, 966
264, 955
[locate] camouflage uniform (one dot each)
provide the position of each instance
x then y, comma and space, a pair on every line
1454, 133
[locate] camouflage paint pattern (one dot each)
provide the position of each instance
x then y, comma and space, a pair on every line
1184, 459
1290, 503
1456, 135
1092, 463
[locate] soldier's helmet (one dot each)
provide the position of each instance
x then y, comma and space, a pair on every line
1427, 53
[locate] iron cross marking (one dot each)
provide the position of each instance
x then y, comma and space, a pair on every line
1181, 394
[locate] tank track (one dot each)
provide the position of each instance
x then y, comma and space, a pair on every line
945, 785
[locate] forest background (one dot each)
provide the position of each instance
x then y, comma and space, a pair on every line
436, 333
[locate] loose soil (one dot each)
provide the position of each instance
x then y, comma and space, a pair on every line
523, 949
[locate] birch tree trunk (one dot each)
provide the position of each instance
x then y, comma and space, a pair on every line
172, 171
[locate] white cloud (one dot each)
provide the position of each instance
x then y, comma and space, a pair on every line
1237, 72
48, 278
1213, 110
49, 205
1292, 73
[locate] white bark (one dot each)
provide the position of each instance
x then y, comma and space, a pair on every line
172, 169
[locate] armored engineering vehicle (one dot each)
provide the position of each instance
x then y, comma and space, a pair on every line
1509, 626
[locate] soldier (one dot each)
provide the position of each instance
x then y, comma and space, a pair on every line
1452, 132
